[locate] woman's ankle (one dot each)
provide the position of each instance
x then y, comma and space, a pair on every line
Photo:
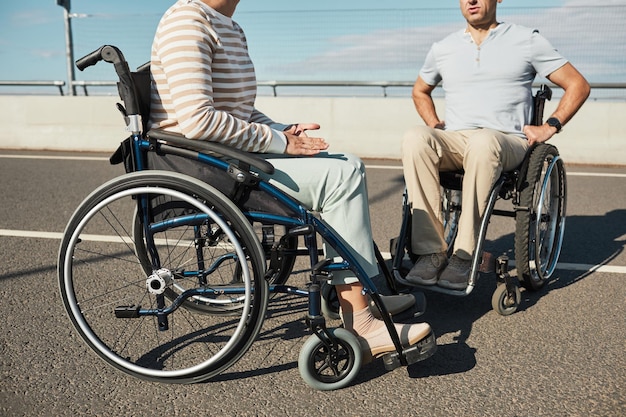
361, 322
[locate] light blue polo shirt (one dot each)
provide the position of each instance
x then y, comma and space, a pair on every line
489, 86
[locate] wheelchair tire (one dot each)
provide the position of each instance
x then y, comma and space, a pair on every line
122, 311
329, 369
502, 303
451, 211
540, 221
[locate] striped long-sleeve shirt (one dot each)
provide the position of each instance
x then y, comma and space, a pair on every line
204, 85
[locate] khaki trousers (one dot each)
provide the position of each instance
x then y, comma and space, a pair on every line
483, 153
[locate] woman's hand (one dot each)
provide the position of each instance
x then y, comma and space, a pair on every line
301, 128
299, 143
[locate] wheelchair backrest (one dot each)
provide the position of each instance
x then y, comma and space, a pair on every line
141, 80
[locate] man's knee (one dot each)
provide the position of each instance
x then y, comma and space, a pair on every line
484, 144
417, 139
490, 145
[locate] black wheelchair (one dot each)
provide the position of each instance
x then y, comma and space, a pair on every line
537, 189
167, 277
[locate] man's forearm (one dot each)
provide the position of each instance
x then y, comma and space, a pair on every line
426, 109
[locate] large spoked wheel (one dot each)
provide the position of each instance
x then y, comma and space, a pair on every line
451, 211
284, 262
208, 304
539, 230
329, 368
126, 311
279, 251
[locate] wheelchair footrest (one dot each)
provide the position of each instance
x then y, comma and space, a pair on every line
420, 304
423, 349
127, 312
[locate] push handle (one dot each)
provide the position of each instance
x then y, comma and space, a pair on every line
107, 53
126, 87
89, 59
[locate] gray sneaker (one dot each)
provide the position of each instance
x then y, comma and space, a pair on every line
427, 268
456, 274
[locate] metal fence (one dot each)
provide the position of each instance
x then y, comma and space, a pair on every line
316, 88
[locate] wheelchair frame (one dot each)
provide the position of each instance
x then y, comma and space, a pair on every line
539, 214
330, 359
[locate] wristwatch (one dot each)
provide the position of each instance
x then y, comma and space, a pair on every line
554, 122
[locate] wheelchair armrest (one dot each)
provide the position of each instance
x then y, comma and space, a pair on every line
213, 147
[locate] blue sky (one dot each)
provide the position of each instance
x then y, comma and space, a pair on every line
292, 39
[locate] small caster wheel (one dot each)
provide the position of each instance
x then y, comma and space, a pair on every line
329, 369
330, 302
504, 304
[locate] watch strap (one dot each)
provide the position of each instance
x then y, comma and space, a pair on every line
554, 122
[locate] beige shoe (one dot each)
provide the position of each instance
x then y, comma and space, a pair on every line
394, 304
456, 274
379, 342
427, 268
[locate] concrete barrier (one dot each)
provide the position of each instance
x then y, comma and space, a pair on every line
368, 127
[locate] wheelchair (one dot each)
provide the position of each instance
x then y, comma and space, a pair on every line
168, 278
537, 190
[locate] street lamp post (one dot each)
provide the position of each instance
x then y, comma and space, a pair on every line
69, 47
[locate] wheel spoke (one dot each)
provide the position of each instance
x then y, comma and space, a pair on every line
160, 325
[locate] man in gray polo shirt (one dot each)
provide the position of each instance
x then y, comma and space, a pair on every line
487, 70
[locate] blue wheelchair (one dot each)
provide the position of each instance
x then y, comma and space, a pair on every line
537, 190
168, 277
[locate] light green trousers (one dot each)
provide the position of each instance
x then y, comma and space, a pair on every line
333, 185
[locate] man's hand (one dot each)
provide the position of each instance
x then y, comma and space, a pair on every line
576, 92
538, 134
441, 124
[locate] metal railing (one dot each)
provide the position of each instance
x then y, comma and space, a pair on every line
274, 85
380, 84
85, 84
59, 84
384, 85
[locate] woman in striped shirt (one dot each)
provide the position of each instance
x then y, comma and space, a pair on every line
204, 87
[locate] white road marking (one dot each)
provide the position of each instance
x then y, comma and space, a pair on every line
613, 269
58, 236
393, 167
57, 157
569, 174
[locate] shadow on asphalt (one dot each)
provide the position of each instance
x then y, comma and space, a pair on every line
588, 240
594, 240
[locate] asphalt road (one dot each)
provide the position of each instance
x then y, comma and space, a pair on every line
561, 354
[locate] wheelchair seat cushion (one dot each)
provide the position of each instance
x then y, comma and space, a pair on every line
452, 180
